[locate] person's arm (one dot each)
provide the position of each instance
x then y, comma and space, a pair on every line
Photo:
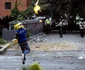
17, 36
50, 23
59, 24
27, 34
45, 22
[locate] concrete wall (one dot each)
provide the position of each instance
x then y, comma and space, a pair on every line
8, 35
33, 27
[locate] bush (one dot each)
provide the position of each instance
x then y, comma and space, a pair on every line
34, 66
24, 68
2, 41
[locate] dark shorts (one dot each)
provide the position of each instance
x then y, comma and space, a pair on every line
24, 46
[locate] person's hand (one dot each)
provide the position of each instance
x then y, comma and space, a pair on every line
57, 25
27, 39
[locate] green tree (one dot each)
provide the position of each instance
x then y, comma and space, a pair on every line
53, 8
15, 11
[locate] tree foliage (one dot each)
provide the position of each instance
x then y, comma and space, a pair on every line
53, 8
64, 8
15, 11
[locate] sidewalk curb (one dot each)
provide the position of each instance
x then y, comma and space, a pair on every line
3, 49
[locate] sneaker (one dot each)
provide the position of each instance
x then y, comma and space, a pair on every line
24, 58
23, 61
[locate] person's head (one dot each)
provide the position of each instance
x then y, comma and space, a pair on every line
18, 25
77, 14
46, 18
50, 19
61, 16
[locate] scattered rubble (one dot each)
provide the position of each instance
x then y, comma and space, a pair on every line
81, 57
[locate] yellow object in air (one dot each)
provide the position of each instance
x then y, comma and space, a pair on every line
36, 9
40, 20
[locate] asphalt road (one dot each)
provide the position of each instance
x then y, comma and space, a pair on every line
59, 59
47, 60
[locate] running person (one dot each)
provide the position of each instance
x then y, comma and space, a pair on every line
21, 35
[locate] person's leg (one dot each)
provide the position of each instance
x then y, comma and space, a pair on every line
23, 55
82, 33
64, 29
23, 58
47, 29
27, 49
61, 32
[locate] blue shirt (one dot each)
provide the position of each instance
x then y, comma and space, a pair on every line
21, 33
